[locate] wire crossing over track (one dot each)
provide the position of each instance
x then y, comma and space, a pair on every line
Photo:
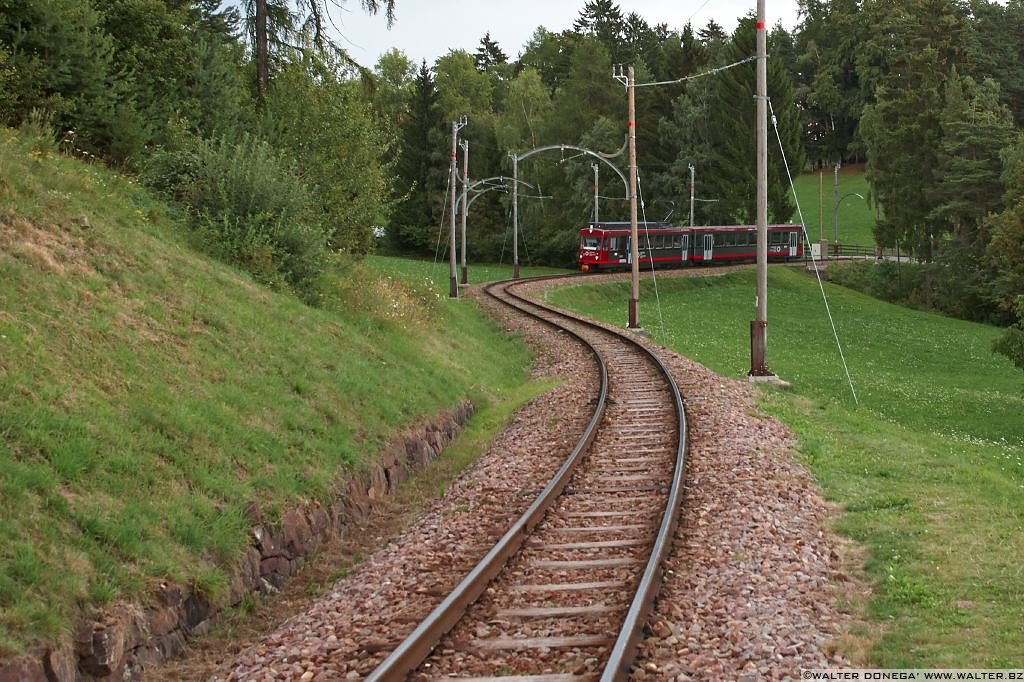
564, 594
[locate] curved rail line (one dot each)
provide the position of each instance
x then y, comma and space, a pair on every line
601, 341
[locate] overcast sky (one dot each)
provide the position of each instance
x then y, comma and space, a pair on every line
426, 29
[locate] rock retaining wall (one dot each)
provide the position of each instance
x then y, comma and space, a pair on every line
121, 642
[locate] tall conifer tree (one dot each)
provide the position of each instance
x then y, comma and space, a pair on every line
730, 175
413, 222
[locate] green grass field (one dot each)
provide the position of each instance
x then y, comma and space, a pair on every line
929, 466
437, 272
148, 393
855, 216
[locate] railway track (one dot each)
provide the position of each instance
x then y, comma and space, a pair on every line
566, 591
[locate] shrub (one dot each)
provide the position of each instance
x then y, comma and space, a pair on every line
38, 127
1011, 343
885, 280
248, 207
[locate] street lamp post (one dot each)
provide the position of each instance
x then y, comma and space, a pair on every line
835, 215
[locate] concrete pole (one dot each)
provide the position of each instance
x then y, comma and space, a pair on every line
515, 216
465, 207
596, 177
634, 247
453, 290
692, 183
835, 205
821, 208
759, 327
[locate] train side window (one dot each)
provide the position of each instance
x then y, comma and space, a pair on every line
719, 239
677, 241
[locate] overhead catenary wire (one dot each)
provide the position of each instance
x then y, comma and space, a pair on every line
508, 226
696, 11
647, 233
440, 227
807, 241
710, 72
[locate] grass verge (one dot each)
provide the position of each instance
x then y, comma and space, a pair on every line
929, 467
256, 616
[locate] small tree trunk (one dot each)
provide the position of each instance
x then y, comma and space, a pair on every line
262, 66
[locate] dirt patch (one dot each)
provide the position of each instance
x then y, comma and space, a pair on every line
59, 250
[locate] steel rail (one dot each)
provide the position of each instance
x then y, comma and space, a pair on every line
624, 651
418, 645
415, 648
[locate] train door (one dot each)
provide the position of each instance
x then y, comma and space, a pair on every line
794, 240
709, 245
686, 247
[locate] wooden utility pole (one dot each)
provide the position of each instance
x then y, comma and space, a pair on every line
759, 327
634, 250
465, 207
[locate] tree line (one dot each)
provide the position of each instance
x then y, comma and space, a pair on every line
281, 176
283, 152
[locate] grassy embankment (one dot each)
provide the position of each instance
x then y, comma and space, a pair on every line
856, 218
437, 271
148, 393
929, 467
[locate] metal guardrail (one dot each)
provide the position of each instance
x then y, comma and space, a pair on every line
854, 251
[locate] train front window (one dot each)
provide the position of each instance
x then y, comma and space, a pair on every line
590, 242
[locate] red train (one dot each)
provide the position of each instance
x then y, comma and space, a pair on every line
605, 246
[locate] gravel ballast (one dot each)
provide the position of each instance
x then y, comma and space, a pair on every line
750, 587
